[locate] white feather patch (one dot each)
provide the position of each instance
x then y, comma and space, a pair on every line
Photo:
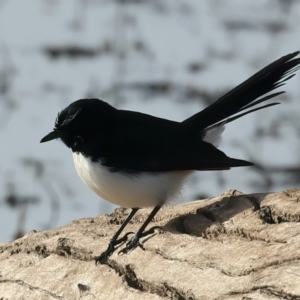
213, 135
141, 190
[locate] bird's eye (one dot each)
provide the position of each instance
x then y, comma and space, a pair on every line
78, 140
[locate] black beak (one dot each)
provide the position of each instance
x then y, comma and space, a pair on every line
51, 136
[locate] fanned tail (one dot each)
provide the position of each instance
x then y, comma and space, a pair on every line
237, 102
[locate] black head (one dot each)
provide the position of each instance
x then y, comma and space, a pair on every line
76, 123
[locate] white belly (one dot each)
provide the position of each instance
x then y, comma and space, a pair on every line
143, 190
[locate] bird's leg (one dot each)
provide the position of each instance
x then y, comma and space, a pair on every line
114, 241
134, 242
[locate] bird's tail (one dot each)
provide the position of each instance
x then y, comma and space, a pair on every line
244, 99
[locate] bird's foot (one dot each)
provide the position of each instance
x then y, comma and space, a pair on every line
106, 254
151, 231
111, 248
135, 241
132, 244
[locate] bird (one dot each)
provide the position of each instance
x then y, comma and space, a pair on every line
136, 160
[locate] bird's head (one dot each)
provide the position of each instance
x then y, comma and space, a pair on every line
78, 121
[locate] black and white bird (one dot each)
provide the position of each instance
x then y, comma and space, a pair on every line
137, 160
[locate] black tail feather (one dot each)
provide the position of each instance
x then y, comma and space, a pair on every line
244, 95
260, 101
248, 112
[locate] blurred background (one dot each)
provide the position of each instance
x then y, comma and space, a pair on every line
168, 58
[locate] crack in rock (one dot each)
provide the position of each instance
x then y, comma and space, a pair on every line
162, 290
266, 290
31, 287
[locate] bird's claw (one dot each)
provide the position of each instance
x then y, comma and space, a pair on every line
151, 231
131, 245
106, 254
135, 241
111, 249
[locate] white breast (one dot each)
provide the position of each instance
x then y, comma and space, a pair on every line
143, 190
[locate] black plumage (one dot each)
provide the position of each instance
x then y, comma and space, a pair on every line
126, 157
133, 142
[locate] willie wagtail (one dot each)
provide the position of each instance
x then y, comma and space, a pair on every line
136, 160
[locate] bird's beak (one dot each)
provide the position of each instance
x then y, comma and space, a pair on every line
51, 136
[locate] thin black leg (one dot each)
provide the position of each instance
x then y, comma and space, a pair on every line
113, 242
134, 242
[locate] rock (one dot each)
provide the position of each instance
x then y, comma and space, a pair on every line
235, 246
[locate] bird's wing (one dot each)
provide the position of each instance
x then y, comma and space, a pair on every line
145, 143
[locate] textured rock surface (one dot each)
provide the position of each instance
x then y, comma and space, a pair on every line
231, 247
